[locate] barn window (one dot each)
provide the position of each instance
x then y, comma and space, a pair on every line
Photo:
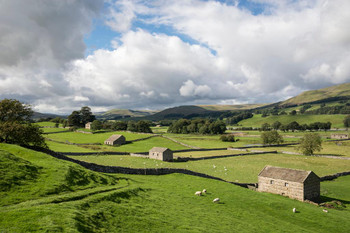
271, 181
286, 184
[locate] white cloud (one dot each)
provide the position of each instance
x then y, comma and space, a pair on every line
191, 89
234, 56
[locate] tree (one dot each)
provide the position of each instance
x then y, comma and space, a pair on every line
265, 127
86, 115
310, 143
347, 121
143, 127
293, 113
74, 119
15, 126
276, 125
96, 125
271, 137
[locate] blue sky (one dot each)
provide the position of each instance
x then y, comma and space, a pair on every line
152, 54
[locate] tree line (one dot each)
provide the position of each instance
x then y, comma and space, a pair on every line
201, 126
292, 126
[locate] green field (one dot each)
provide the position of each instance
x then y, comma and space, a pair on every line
58, 196
239, 169
257, 120
75, 137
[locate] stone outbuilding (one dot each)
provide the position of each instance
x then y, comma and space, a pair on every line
161, 153
296, 184
339, 136
88, 125
115, 139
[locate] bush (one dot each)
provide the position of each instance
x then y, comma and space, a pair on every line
271, 137
228, 138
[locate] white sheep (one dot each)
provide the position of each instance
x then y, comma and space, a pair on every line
324, 210
204, 191
198, 193
216, 200
294, 210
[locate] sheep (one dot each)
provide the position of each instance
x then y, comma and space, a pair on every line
324, 210
204, 191
216, 200
294, 210
198, 193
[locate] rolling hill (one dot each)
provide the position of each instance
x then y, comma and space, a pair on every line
328, 94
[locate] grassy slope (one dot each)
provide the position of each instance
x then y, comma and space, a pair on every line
230, 107
314, 95
257, 120
158, 204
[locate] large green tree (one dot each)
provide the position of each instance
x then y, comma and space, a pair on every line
310, 143
15, 126
271, 137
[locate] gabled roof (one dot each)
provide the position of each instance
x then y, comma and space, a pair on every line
287, 174
159, 149
114, 137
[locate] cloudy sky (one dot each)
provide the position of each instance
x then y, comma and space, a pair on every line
60, 55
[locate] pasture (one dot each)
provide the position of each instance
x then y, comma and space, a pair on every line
63, 197
238, 169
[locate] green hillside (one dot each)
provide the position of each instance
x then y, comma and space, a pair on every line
257, 120
230, 107
330, 93
50, 195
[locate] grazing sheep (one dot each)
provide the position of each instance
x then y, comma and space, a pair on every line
216, 200
324, 210
198, 193
294, 210
204, 191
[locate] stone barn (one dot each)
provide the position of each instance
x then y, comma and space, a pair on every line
115, 139
161, 153
296, 184
339, 136
88, 125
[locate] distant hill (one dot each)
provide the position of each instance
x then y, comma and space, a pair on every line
328, 94
116, 114
231, 107
189, 111
38, 115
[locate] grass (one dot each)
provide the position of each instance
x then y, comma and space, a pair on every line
139, 146
53, 130
257, 120
239, 169
76, 137
29, 175
131, 203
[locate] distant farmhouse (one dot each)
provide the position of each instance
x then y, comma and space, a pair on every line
88, 125
296, 184
339, 136
161, 153
115, 139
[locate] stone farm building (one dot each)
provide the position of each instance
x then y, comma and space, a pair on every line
339, 136
88, 125
161, 153
115, 139
296, 184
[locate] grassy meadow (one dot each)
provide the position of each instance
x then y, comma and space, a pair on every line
58, 196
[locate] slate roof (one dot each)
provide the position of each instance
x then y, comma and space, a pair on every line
158, 149
114, 137
285, 174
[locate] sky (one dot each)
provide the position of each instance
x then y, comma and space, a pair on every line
60, 55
